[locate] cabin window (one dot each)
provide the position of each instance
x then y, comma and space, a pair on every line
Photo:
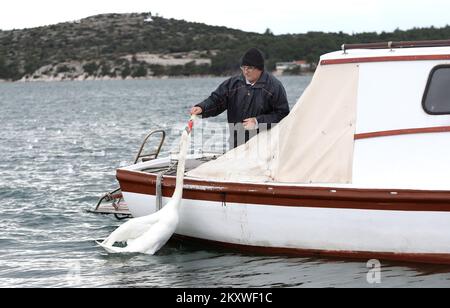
436, 99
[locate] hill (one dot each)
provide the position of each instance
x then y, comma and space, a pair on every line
142, 45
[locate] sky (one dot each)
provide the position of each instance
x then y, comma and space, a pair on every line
280, 16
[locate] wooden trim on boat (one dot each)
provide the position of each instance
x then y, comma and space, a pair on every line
296, 196
408, 131
433, 258
385, 59
393, 44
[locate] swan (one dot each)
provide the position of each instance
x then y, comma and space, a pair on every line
147, 234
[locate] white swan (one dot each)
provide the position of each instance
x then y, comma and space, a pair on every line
149, 233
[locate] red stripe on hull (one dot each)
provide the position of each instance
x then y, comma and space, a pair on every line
266, 194
385, 59
408, 131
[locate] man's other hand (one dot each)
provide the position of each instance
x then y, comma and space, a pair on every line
196, 110
250, 123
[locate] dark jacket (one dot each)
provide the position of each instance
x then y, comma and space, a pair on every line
265, 100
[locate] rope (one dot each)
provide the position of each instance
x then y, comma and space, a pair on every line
159, 179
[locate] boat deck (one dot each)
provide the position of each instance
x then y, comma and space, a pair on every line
171, 166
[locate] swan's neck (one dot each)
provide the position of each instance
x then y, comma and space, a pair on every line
180, 180
178, 194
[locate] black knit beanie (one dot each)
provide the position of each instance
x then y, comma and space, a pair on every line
253, 57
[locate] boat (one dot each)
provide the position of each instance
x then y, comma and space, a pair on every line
361, 168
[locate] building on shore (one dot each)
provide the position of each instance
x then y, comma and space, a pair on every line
293, 67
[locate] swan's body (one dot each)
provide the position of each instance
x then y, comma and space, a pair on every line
149, 233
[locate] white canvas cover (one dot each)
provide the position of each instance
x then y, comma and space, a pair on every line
313, 144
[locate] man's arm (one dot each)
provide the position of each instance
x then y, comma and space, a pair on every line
280, 107
216, 103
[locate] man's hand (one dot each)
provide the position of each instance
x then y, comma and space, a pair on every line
250, 123
196, 110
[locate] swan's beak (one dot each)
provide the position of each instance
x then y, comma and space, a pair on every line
190, 124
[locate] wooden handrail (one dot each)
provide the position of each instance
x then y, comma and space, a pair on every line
401, 44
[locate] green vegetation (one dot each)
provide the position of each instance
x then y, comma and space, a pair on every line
109, 45
91, 68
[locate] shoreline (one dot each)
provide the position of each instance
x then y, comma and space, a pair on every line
58, 79
107, 78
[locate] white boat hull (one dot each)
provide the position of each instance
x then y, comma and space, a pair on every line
355, 232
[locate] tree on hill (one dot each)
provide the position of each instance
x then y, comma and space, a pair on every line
104, 42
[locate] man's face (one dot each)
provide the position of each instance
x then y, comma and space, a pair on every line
251, 73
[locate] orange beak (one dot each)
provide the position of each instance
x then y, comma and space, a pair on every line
190, 126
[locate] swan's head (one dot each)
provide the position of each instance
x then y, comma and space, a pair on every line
190, 124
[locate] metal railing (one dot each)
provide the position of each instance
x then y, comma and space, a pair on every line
115, 196
152, 155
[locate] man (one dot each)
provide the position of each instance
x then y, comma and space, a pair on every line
253, 100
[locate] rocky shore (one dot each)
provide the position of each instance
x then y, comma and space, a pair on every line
133, 66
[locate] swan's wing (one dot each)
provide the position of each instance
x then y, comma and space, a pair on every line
147, 219
110, 249
155, 237
131, 229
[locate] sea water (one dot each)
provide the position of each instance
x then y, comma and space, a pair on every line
60, 143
